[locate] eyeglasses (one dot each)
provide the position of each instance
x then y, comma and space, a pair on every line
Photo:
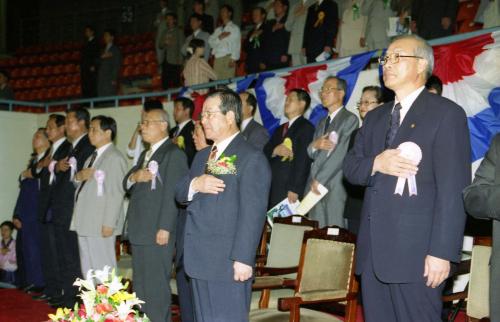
365, 103
149, 122
394, 58
329, 89
209, 114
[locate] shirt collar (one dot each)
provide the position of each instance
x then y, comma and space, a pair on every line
75, 142
40, 156
155, 146
245, 123
258, 25
320, 2
103, 148
183, 124
333, 114
407, 102
290, 122
221, 146
57, 144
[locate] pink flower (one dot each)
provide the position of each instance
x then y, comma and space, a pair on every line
102, 289
103, 308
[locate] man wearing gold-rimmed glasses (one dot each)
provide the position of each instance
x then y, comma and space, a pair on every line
409, 236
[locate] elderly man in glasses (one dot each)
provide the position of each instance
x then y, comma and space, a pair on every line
409, 236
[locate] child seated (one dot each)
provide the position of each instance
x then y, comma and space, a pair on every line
8, 262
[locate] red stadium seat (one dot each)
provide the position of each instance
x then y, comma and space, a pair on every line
36, 71
150, 56
58, 69
139, 58
39, 82
75, 56
128, 60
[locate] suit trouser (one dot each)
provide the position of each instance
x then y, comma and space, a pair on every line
401, 302
185, 293
69, 261
152, 267
217, 301
50, 264
96, 252
298, 59
222, 69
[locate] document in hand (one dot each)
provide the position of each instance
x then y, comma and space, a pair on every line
310, 200
282, 209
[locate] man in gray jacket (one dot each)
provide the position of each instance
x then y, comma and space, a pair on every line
98, 214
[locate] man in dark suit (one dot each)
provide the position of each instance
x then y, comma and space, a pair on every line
88, 63
152, 214
276, 38
254, 44
226, 191
109, 67
252, 131
290, 165
433, 18
407, 240
46, 174
182, 133
482, 200
77, 124
321, 29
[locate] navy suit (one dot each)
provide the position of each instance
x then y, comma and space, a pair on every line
224, 228
187, 134
256, 134
398, 232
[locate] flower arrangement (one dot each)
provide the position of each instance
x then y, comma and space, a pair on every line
105, 299
223, 165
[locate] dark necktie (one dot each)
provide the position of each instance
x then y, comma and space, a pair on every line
285, 129
327, 124
91, 163
213, 153
393, 129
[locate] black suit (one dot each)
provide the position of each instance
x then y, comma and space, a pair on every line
254, 49
276, 45
88, 68
428, 14
149, 211
355, 196
62, 205
50, 265
187, 134
398, 232
290, 175
317, 33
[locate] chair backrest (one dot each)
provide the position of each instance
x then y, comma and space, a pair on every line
286, 241
326, 269
479, 282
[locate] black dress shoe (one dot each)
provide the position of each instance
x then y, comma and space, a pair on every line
28, 288
42, 297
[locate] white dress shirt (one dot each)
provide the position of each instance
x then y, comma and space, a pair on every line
181, 126
136, 152
75, 142
245, 123
153, 149
231, 45
407, 102
56, 146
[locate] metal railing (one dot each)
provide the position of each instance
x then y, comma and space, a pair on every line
93, 102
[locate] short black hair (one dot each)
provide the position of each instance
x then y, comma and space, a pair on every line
112, 32
302, 96
196, 16
58, 118
152, 105
90, 27
186, 104
9, 224
107, 123
262, 10
252, 101
43, 129
199, 2
285, 3
434, 83
379, 95
228, 8
171, 14
229, 101
81, 114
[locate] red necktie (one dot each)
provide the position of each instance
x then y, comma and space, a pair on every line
285, 130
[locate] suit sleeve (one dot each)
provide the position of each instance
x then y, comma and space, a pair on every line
301, 163
357, 165
482, 198
175, 168
262, 137
451, 10
451, 164
254, 186
333, 164
117, 62
136, 167
114, 191
331, 24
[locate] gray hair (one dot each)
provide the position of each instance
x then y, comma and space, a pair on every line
341, 83
423, 50
163, 116
229, 101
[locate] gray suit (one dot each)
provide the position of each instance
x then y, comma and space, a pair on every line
482, 200
203, 35
109, 70
256, 134
377, 23
328, 169
91, 212
148, 211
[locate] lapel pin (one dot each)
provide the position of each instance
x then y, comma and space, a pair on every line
413, 125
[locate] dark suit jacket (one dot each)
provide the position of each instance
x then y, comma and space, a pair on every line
316, 38
276, 44
254, 50
256, 134
109, 71
46, 190
187, 134
428, 14
63, 196
151, 210
482, 200
224, 228
399, 231
89, 57
290, 175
